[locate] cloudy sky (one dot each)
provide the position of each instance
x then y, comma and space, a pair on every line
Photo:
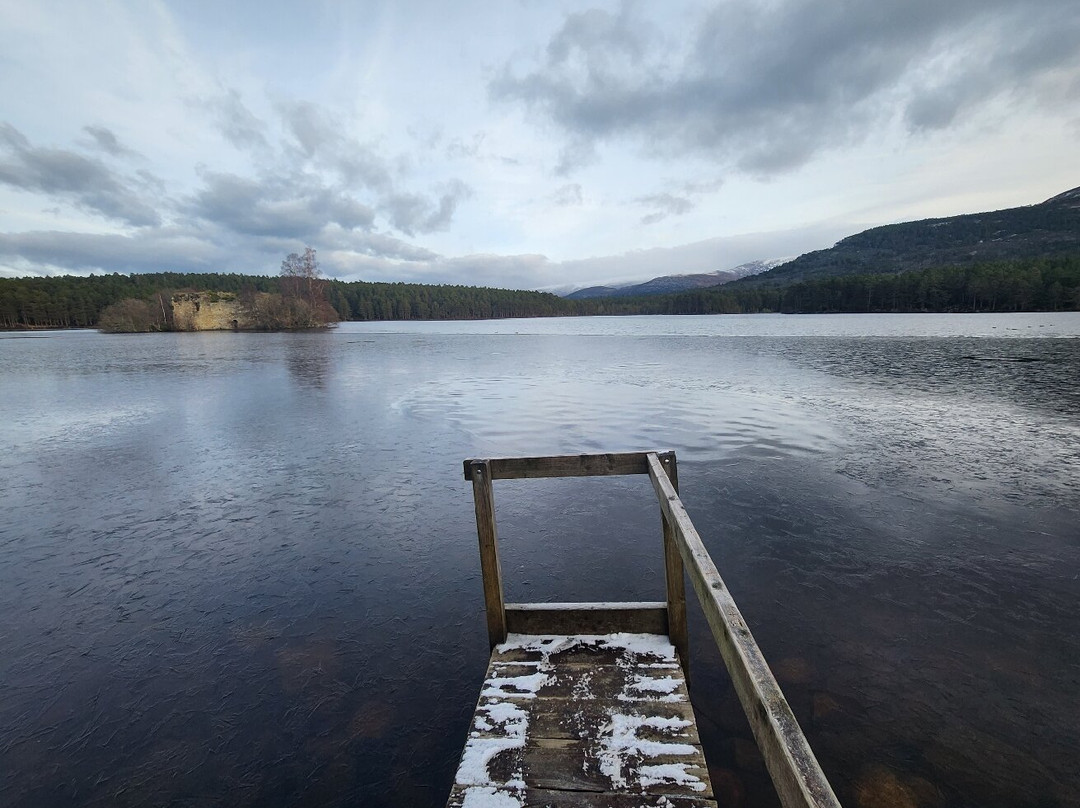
527, 144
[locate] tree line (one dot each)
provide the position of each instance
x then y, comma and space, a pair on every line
70, 301
1045, 284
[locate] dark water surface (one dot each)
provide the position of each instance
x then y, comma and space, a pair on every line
241, 569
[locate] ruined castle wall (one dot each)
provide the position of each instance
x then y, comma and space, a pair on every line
209, 311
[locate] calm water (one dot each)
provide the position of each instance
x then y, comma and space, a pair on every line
241, 569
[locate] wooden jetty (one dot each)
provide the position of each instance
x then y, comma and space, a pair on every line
586, 704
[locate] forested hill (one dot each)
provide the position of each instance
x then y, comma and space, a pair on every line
1036, 231
74, 301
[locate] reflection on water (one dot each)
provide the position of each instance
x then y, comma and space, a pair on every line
241, 568
309, 356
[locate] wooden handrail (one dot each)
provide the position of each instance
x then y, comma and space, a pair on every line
585, 465
482, 471
674, 578
794, 769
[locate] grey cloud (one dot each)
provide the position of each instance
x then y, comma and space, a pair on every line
767, 86
458, 149
150, 181
428, 135
579, 152
412, 213
237, 123
145, 251
316, 177
311, 126
389, 247
320, 152
702, 186
453, 192
321, 141
87, 183
106, 140
568, 195
406, 211
1031, 52
665, 205
600, 38
298, 206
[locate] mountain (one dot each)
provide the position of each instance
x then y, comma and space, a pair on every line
1035, 231
593, 291
671, 284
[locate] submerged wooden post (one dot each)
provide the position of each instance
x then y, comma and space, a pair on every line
491, 570
673, 575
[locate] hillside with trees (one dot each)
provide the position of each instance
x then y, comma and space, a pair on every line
1035, 231
1046, 284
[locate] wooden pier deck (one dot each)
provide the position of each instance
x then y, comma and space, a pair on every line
587, 704
583, 720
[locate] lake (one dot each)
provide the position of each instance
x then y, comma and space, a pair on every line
241, 569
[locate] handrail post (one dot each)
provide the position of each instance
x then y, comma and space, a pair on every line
673, 575
491, 570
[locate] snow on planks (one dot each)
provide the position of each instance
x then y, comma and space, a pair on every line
583, 720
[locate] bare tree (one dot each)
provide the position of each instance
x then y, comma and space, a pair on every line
303, 294
300, 274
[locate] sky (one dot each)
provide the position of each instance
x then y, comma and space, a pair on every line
529, 144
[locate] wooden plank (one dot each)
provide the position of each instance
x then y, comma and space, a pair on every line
795, 771
584, 465
567, 765
597, 764
576, 718
528, 681
491, 570
586, 618
673, 575
545, 798
596, 649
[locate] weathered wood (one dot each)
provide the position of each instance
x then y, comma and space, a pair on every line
597, 649
585, 465
795, 772
490, 569
673, 575
573, 717
566, 765
586, 618
559, 729
516, 681
546, 798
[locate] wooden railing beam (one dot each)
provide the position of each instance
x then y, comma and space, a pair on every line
585, 465
795, 772
490, 569
586, 618
673, 575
